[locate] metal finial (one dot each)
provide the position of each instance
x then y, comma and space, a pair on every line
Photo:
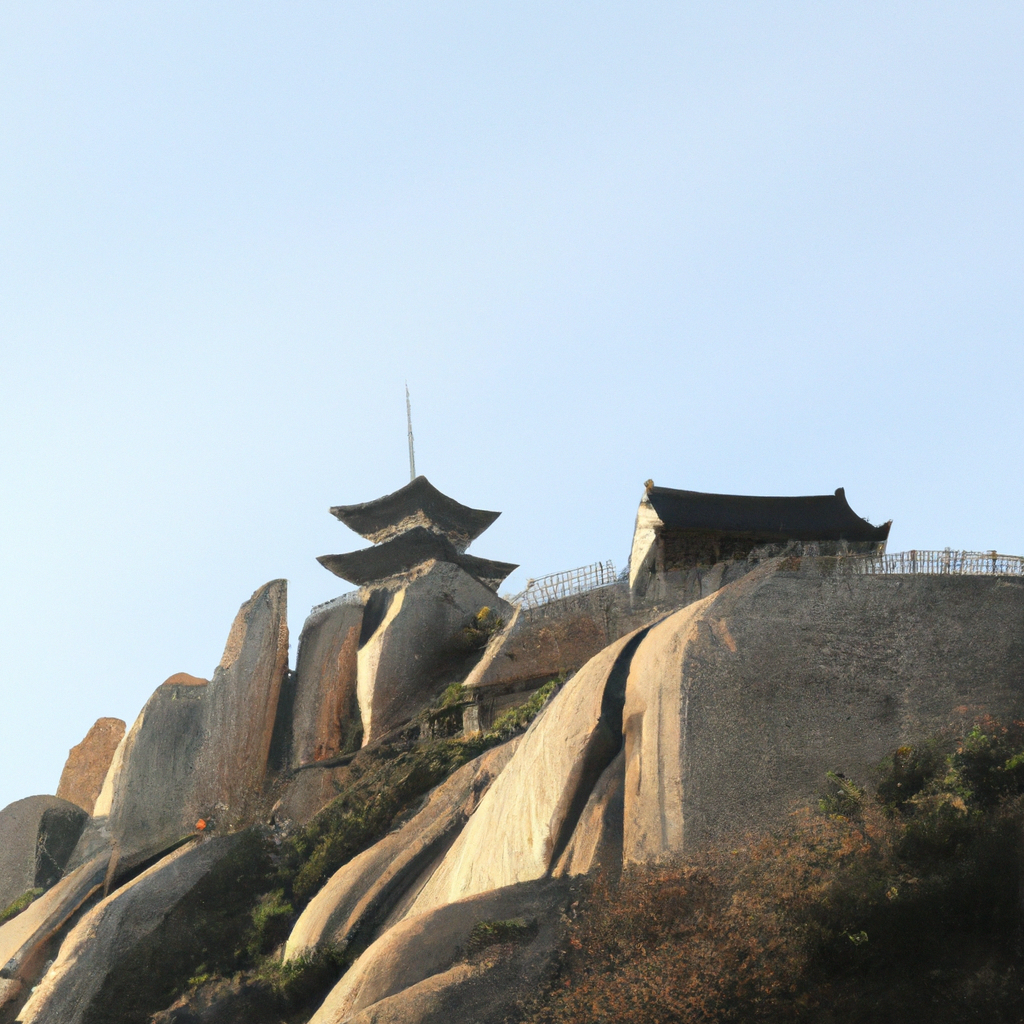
412, 453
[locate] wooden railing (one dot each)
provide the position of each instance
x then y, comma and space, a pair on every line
957, 563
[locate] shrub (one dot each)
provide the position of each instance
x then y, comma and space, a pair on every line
902, 908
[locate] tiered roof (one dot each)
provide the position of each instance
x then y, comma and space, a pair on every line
816, 517
413, 525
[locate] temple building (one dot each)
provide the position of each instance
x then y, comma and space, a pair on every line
421, 599
414, 525
680, 530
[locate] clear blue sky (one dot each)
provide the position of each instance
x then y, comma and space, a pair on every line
754, 248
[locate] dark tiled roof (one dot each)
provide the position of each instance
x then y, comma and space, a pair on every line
371, 517
815, 517
405, 552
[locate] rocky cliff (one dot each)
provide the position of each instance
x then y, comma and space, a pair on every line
325, 846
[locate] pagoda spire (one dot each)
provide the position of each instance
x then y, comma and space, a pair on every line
412, 451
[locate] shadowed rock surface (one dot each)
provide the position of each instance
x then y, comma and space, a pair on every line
37, 837
362, 893
24, 939
87, 763
123, 958
431, 945
596, 843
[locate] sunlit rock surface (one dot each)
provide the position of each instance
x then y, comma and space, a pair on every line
737, 706
360, 895
527, 818
88, 762
324, 710
398, 967
412, 637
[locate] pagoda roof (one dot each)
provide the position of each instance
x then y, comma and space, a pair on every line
407, 550
417, 503
809, 518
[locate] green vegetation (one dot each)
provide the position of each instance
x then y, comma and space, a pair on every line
515, 720
16, 907
902, 906
483, 626
235, 956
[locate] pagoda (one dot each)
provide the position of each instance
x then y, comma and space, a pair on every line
409, 528
421, 595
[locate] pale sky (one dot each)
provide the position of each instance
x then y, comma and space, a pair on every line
750, 248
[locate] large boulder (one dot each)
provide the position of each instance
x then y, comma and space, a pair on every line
324, 710
125, 958
526, 820
24, 939
736, 706
412, 639
366, 890
37, 837
151, 803
87, 763
241, 709
418, 972
199, 749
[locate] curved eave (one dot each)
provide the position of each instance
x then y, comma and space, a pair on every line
370, 518
406, 551
807, 518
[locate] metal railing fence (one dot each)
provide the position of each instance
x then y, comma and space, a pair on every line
948, 561
558, 585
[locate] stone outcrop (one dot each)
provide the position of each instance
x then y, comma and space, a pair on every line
596, 844
87, 763
527, 818
324, 709
241, 708
363, 893
37, 837
414, 639
738, 705
199, 749
152, 809
418, 970
118, 959
24, 939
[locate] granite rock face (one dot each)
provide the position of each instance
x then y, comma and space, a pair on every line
325, 712
113, 962
526, 820
37, 837
360, 896
241, 709
737, 706
87, 763
24, 939
199, 749
417, 970
152, 795
410, 637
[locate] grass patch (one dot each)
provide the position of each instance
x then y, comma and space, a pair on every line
14, 908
